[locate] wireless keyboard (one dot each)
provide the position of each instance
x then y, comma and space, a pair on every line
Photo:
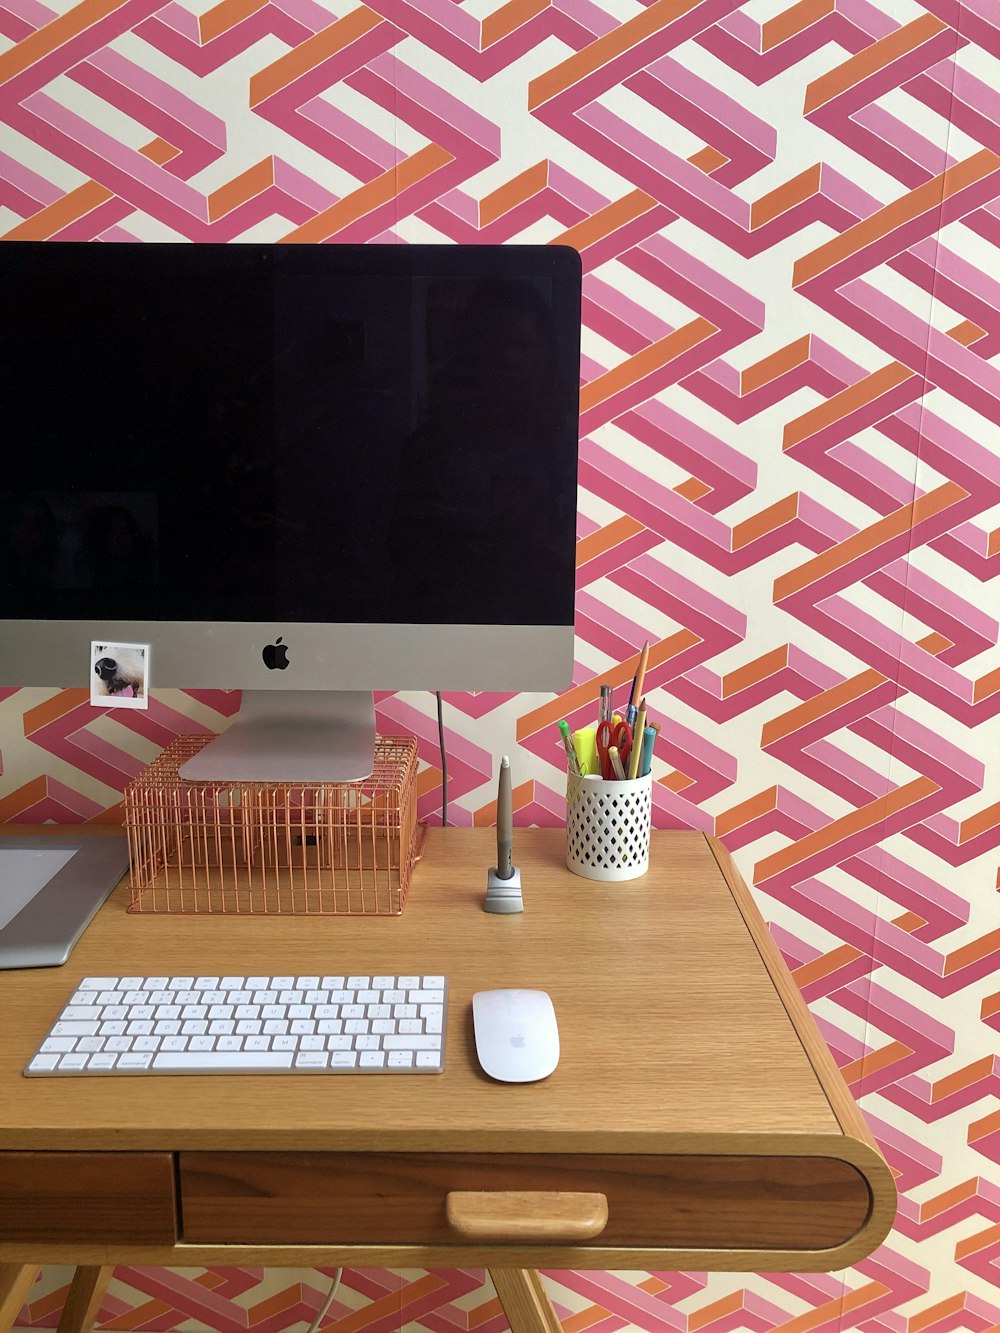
250, 1025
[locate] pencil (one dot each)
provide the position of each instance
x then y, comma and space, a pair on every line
640, 674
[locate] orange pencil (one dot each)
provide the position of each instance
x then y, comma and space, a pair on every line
640, 674
636, 694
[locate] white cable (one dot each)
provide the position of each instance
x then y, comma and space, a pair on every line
314, 1326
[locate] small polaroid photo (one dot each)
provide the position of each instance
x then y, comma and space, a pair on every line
119, 675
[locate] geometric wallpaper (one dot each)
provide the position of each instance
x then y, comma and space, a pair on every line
789, 217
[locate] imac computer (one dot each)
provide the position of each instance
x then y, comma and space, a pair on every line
306, 472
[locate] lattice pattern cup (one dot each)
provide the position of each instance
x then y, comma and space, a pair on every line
607, 827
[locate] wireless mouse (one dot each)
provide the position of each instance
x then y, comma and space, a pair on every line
517, 1038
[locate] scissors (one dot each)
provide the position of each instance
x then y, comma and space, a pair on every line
609, 735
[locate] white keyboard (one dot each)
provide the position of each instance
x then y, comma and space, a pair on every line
250, 1025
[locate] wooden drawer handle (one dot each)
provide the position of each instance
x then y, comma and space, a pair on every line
525, 1215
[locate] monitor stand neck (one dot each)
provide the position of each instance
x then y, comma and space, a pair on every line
292, 736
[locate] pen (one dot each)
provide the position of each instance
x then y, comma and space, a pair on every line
616, 763
635, 754
505, 822
604, 707
648, 738
574, 763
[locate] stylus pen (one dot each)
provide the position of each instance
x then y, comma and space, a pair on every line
505, 823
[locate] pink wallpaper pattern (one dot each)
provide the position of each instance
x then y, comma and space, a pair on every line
789, 216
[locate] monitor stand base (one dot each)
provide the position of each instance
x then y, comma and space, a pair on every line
292, 736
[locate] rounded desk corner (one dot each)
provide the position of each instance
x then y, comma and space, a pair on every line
881, 1182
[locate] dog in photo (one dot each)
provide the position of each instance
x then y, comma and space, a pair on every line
119, 672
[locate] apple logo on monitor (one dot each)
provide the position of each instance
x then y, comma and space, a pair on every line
275, 655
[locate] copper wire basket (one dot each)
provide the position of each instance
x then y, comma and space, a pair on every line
319, 849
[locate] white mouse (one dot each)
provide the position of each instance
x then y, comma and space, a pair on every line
517, 1038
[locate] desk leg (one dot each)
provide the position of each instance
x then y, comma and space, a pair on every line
525, 1301
16, 1281
84, 1300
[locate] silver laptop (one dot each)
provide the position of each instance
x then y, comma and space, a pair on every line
50, 888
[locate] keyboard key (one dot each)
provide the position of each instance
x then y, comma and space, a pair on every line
411, 1043
136, 1060
222, 1062
44, 1063
312, 1060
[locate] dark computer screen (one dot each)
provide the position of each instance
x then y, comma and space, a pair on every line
281, 434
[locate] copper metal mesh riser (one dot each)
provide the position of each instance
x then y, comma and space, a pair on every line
320, 848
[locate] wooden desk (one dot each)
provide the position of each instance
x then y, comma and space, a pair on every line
694, 1092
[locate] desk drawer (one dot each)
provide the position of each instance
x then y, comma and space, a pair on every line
77, 1196
401, 1198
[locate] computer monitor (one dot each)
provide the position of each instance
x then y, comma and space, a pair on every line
306, 472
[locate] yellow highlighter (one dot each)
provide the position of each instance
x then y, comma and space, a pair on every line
585, 744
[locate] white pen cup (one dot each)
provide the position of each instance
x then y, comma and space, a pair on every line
607, 826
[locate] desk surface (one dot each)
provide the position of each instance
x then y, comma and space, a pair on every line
681, 1031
